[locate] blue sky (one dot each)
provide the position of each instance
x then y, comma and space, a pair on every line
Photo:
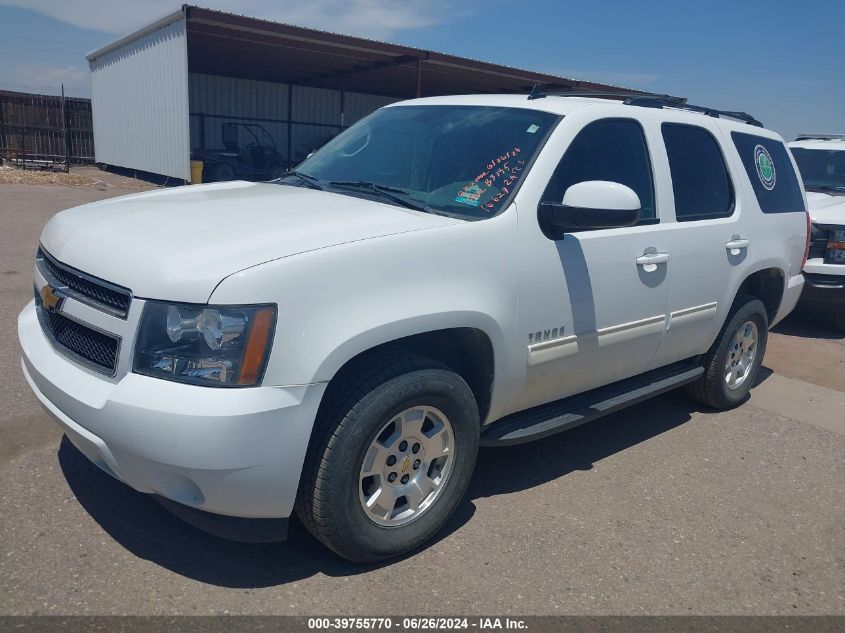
782, 61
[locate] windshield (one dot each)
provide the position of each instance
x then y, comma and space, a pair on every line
465, 161
821, 169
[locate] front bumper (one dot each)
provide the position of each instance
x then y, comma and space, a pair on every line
824, 291
235, 452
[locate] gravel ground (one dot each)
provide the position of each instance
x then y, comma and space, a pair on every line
661, 509
10, 175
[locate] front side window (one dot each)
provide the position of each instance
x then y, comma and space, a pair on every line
464, 161
610, 149
700, 178
821, 169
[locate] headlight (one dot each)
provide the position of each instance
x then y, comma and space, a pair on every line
205, 345
836, 246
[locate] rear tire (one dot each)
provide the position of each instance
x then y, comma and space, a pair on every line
357, 433
732, 363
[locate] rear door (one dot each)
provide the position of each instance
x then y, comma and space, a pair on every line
712, 241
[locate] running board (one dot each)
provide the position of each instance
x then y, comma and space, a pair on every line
561, 415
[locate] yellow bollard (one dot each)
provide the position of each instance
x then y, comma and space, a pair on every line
196, 172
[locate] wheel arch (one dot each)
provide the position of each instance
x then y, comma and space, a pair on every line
469, 350
767, 284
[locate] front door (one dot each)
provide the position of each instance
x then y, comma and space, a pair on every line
592, 305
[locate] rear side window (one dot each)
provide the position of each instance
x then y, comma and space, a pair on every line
700, 178
771, 173
608, 149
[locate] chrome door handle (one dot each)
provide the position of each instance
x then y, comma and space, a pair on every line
737, 244
649, 261
652, 258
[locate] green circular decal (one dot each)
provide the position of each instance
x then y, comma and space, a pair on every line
765, 167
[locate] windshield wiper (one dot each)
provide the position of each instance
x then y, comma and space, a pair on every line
310, 181
399, 196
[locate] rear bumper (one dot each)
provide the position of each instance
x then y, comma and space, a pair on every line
824, 292
235, 452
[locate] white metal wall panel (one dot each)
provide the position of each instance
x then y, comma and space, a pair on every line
230, 96
214, 133
267, 102
316, 105
139, 97
217, 97
358, 105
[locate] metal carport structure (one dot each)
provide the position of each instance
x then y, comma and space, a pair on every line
165, 89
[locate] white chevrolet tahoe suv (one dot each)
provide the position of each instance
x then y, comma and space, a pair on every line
821, 160
447, 273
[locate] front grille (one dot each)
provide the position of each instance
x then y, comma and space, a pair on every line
102, 294
81, 343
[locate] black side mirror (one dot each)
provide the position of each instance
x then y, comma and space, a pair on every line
595, 204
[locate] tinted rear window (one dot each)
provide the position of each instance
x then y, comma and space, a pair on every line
700, 178
770, 172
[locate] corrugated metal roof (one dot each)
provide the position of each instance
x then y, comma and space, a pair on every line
228, 44
199, 14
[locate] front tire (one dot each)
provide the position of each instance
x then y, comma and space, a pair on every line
391, 457
732, 363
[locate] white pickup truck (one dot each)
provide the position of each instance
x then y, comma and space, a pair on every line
449, 272
821, 160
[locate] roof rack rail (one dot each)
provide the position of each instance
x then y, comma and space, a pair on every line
821, 137
672, 102
539, 91
646, 100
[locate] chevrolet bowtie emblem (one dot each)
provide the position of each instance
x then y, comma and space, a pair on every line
49, 299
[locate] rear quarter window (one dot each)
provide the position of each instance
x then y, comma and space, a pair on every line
770, 172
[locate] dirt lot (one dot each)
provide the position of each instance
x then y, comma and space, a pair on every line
665, 508
807, 347
24, 210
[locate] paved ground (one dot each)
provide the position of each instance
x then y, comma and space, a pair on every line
664, 508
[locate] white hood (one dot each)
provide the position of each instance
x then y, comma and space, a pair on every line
825, 208
179, 243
